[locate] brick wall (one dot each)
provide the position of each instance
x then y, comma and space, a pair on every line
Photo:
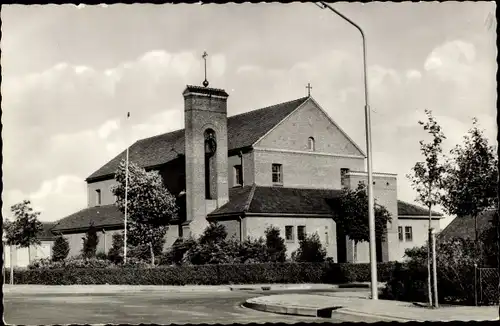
309, 121
255, 227
419, 227
385, 193
302, 170
107, 196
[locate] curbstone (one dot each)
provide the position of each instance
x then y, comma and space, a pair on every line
290, 310
352, 312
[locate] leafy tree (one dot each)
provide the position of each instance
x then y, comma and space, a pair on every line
472, 178
427, 177
310, 250
23, 231
175, 255
456, 258
90, 243
60, 250
253, 251
150, 207
352, 216
275, 245
489, 240
213, 233
211, 247
115, 253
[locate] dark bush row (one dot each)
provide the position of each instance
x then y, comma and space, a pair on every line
207, 274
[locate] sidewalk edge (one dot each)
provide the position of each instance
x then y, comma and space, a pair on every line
353, 312
284, 310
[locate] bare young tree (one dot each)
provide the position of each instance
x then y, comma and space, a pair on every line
427, 179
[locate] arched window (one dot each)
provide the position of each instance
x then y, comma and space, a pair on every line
312, 146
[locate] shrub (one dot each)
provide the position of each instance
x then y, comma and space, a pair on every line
138, 272
101, 256
73, 262
310, 250
253, 251
115, 253
213, 233
60, 250
455, 273
275, 245
175, 255
90, 243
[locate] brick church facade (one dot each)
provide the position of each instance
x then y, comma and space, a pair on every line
281, 165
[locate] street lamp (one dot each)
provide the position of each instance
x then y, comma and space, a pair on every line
126, 203
371, 213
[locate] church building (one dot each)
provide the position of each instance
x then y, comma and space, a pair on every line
280, 165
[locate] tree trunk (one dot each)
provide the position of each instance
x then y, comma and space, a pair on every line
355, 253
429, 241
11, 265
152, 254
476, 243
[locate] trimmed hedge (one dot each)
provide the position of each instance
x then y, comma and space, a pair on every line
207, 274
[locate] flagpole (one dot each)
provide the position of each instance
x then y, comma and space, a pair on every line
126, 204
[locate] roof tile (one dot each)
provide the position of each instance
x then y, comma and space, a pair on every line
243, 131
464, 227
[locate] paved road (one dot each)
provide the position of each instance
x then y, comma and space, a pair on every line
140, 307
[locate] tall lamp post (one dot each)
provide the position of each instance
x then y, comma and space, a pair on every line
126, 203
371, 213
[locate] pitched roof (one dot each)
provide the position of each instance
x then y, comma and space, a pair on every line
407, 209
463, 227
276, 200
100, 216
46, 233
243, 131
248, 199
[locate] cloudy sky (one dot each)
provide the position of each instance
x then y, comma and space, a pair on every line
71, 73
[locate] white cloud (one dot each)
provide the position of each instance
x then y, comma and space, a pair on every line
413, 74
218, 64
248, 68
452, 61
107, 128
55, 198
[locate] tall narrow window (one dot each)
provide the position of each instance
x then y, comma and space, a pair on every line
343, 177
301, 232
289, 232
408, 233
238, 175
400, 233
98, 196
277, 174
312, 145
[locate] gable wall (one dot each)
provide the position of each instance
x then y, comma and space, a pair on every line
308, 121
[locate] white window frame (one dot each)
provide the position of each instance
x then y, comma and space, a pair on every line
278, 173
401, 234
408, 230
304, 233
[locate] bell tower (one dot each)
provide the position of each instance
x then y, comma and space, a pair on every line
205, 116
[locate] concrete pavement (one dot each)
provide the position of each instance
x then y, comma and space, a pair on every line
358, 304
97, 288
136, 307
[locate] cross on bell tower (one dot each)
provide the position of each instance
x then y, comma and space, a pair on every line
309, 87
204, 56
